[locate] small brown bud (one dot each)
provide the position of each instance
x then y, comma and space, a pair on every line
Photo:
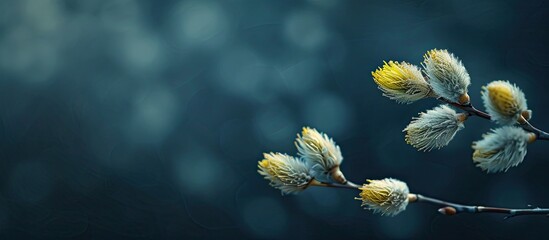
337, 175
447, 211
464, 99
462, 117
522, 120
527, 114
531, 137
412, 197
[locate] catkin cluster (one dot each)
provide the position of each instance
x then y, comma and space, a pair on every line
319, 164
444, 77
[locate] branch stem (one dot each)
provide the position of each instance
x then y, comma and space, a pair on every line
448, 208
347, 185
541, 135
471, 110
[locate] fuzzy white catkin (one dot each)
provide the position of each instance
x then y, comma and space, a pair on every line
401, 81
434, 128
286, 173
501, 149
504, 101
446, 74
387, 196
320, 153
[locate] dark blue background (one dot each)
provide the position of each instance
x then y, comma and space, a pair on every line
145, 119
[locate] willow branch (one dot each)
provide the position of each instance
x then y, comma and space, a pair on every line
471, 110
348, 184
448, 208
541, 135
467, 108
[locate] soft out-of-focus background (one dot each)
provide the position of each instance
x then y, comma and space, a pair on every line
145, 119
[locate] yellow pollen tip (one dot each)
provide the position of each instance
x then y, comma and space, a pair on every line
392, 75
375, 194
434, 54
502, 97
305, 130
264, 163
480, 154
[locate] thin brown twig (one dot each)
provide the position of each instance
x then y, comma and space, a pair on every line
471, 110
348, 184
448, 208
